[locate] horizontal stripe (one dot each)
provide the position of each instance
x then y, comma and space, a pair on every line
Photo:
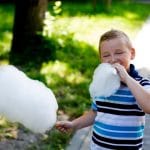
120, 112
121, 98
100, 131
138, 79
144, 84
119, 128
118, 98
120, 120
123, 92
117, 147
117, 141
119, 106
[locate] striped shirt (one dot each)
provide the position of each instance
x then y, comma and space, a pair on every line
119, 124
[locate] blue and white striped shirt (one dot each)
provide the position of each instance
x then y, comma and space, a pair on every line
119, 124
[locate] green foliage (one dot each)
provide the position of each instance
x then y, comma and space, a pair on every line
70, 73
6, 18
59, 139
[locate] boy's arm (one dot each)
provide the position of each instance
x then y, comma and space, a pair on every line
85, 120
142, 96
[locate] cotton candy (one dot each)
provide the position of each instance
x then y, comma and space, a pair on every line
105, 81
26, 101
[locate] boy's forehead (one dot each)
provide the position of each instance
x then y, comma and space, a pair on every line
120, 40
113, 42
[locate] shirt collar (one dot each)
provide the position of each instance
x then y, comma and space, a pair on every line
133, 72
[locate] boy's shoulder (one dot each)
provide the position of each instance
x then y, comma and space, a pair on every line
144, 72
144, 77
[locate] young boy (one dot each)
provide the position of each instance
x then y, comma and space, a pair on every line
118, 120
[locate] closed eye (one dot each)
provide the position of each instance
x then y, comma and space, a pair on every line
106, 55
120, 52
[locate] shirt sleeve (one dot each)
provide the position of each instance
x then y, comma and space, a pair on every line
93, 106
146, 84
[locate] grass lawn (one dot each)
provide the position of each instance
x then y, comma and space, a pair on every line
75, 32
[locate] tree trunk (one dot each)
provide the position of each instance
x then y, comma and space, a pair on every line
108, 4
94, 2
105, 3
28, 25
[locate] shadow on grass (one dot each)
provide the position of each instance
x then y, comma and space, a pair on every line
69, 65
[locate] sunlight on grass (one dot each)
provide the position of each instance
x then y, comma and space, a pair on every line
5, 45
7, 130
3, 121
61, 70
6, 25
89, 29
131, 15
4, 62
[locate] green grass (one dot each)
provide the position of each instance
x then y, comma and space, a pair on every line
6, 25
74, 34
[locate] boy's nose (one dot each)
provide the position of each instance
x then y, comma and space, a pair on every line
113, 60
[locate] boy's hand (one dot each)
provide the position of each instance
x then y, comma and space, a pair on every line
122, 72
64, 126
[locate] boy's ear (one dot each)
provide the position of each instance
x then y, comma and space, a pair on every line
132, 53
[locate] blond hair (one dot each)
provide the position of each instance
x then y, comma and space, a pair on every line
112, 34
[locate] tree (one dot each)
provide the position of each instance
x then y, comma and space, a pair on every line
27, 29
106, 3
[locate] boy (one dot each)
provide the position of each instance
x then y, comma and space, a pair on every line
118, 120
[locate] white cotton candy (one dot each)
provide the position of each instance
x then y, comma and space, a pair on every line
26, 101
105, 81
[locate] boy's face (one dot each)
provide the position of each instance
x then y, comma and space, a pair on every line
116, 51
